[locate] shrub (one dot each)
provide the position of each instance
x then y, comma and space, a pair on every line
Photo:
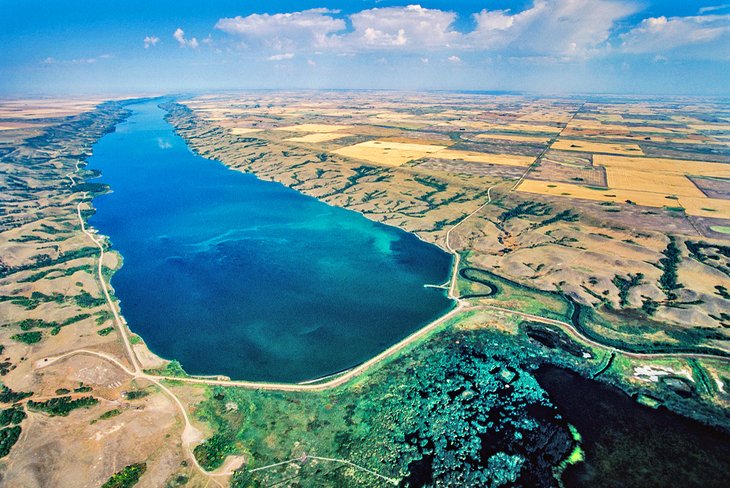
12, 415
128, 476
28, 337
9, 396
62, 406
211, 453
8, 437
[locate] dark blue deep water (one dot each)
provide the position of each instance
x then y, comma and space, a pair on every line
233, 275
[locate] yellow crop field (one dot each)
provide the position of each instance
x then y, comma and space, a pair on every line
706, 207
388, 153
655, 182
555, 188
480, 157
693, 205
597, 147
243, 130
313, 128
514, 138
319, 137
662, 165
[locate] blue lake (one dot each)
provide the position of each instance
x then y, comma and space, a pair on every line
233, 275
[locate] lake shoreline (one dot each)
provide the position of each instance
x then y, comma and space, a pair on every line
162, 353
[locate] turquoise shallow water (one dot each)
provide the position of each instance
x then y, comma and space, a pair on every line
233, 275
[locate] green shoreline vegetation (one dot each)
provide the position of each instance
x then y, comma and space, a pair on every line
346, 422
471, 414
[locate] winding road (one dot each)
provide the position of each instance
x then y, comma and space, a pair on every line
457, 256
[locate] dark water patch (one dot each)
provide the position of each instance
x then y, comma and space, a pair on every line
481, 420
628, 444
233, 275
553, 338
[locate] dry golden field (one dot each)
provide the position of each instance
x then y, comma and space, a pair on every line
649, 199
388, 153
651, 182
665, 165
596, 147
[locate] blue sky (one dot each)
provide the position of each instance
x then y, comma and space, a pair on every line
548, 46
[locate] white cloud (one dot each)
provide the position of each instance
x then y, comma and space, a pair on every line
311, 63
288, 31
77, 61
714, 8
150, 41
554, 30
568, 28
411, 27
179, 36
662, 34
454, 59
281, 57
